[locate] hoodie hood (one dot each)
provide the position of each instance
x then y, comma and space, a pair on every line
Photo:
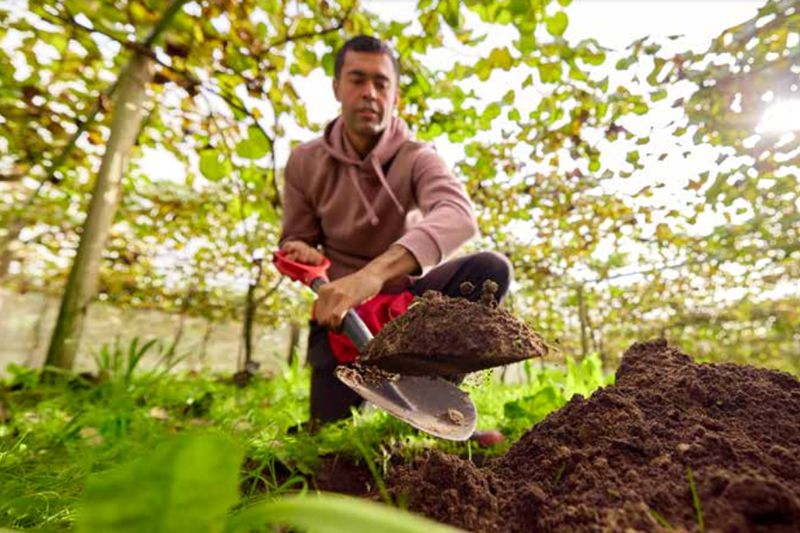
340, 149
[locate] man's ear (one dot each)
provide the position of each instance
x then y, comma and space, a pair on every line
336, 89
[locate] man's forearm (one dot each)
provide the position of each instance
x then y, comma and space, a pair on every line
395, 262
337, 297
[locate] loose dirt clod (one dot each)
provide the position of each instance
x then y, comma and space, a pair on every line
445, 336
466, 288
455, 416
352, 374
360, 374
620, 459
489, 293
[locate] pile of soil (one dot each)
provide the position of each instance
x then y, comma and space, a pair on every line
445, 336
621, 459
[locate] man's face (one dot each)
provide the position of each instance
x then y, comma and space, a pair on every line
367, 90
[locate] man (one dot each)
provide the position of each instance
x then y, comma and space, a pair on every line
381, 206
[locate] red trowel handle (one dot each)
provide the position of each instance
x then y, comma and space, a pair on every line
305, 274
315, 276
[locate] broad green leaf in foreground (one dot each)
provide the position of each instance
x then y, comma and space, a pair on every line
189, 484
333, 513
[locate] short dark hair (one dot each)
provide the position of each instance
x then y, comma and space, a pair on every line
364, 43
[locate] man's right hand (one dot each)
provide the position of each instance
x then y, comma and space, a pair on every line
302, 253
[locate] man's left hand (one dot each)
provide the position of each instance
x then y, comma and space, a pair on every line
334, 299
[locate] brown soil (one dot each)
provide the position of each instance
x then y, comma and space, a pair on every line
446, 336
340, 474
619, 460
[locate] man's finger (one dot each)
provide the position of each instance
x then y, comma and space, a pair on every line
313, 258
308, 257
337, 317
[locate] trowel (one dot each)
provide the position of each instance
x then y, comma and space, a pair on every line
429, 403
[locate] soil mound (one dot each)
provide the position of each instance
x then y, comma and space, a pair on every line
446, 336
620, 459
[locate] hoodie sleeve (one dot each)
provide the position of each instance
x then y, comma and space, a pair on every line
300, 221
448, 217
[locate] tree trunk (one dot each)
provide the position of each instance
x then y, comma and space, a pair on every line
6, 255
584, 325
204, 343
82, 281
32, 360
173, 347
250, 307
247, 327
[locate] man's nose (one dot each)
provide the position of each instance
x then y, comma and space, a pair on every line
368, 91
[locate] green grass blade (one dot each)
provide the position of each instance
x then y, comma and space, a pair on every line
333, 513
663, 522
696, 501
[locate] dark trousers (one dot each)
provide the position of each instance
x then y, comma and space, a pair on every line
330, 398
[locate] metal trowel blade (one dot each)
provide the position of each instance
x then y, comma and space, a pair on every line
430, 404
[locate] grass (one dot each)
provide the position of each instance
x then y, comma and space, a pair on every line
663, 522
696, 501
56, 436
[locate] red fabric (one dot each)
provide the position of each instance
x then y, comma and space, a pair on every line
375, 313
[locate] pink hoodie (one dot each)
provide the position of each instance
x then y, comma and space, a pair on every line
401, 192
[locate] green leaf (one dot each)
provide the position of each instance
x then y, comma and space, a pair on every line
550, 72
328, 64
577, 74
626, 62
255, 146
333, 513
492, 111
449, 11
501, 58
640, 108
212, 165
519, 7
483, 70
527, 82
594, 58
534, 407
189, 484
658, 95
663, 232
658, 65
259, 138
557, 24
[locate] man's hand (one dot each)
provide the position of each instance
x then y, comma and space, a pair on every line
334, 299
302, 253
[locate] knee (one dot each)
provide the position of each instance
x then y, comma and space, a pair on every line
498, 266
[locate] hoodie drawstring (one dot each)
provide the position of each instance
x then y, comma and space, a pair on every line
335, 149
373, 216
379, 172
